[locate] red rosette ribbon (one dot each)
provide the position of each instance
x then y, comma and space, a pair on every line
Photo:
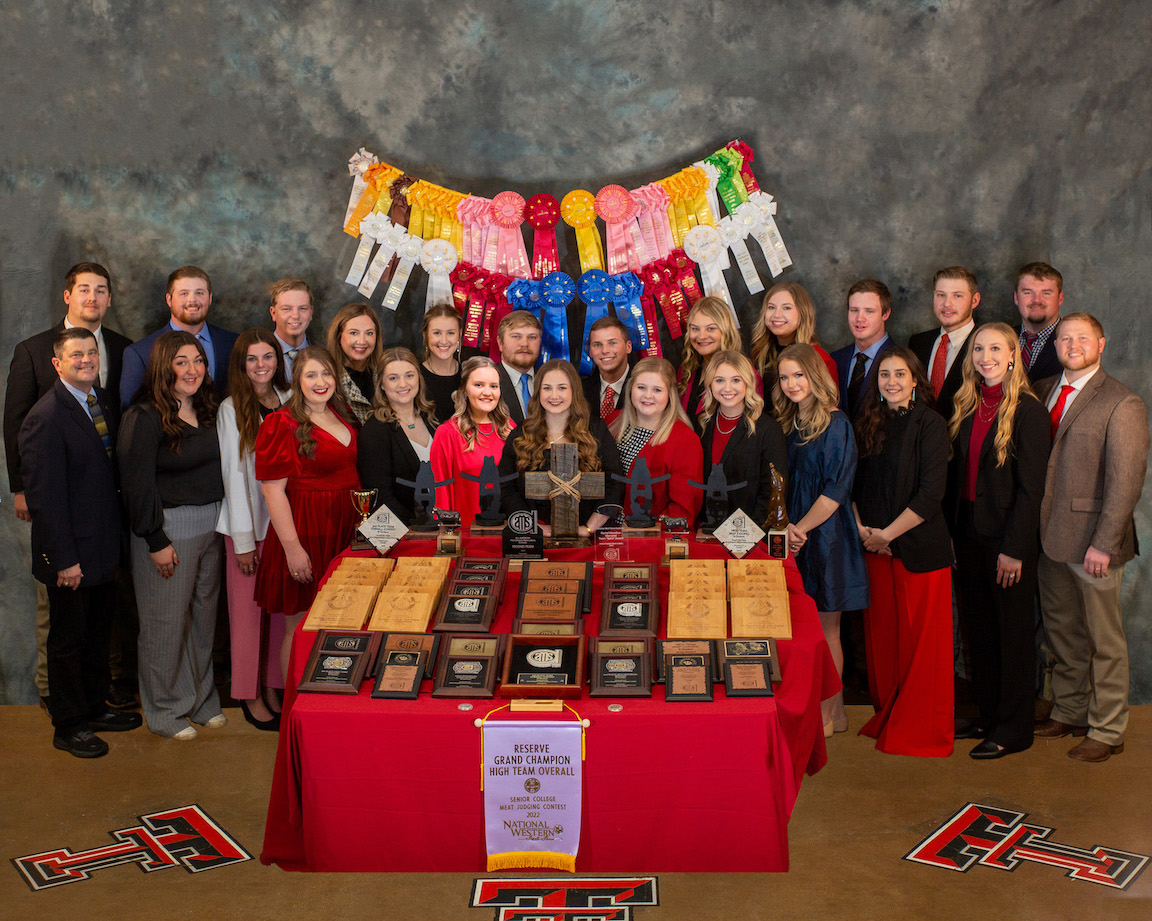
474, 287
658, 290
496, 308
745, 151
683, 269
542, 213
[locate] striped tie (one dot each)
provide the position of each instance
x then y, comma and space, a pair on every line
98, 420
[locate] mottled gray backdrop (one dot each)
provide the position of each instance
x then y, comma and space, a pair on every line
898, 137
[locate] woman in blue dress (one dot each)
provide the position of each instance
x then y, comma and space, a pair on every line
822, 531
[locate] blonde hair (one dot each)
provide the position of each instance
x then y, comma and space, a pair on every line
672, 412
753, 402
381, 407
533, 439
462, 417
823, 390
765, 347
717, 310
1015, 383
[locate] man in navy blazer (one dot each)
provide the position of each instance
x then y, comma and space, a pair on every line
1039, 295
611, 352
518, 336
869, 306
71, 488
189, 297
943, 350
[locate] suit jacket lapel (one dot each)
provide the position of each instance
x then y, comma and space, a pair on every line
1083, 398
736, 441
80, 416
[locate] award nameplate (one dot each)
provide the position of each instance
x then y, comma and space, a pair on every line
522, 537
621, 668
547, 628
411, 642
544, 606
747, 678
687, 677
339, 661
382, 529
761, 649
739, 533
400, 674
468, 666
666, 648
543, 666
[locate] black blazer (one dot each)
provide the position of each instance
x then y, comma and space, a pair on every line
70, 484
31, 375
746, 458
921, 476
844, 361
591, 385
1046, 363
1006, 511
921, 344
383, 454
512, 496
508, 393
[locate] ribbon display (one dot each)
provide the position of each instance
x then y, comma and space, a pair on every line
408, 253
578, 208
438, 258
542, 213
557, 291
703, 246
594, 288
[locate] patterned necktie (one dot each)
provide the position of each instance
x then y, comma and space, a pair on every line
291, 354
1027, 343
98, 420
1058, 409
525, 391
608, 404
939, 364
856, 381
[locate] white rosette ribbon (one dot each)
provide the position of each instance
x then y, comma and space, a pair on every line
732, 234
357, 164
409, 254
372, 227
390, 240
438, 258
767, 206
713, 176
703, 246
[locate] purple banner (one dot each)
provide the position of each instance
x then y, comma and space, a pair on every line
532, 793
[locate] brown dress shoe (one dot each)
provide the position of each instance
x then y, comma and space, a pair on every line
1043, 710
1054, 729
1092, 750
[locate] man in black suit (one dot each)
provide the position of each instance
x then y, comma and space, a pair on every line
942, 350
610, 350
869, 307
87, 296
70, 486
189, 297
1039, 295
518, 336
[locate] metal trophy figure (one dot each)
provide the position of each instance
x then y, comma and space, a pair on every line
776, 523
716, 491
489, 481
362, 500
424, 497
639, 509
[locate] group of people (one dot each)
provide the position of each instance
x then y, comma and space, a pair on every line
902, 465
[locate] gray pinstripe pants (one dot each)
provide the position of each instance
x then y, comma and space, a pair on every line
178, 621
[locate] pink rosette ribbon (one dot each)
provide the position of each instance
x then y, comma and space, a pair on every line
507, 214
438, 258
702, 244
474, 214
617, 209
543, 214
654, 212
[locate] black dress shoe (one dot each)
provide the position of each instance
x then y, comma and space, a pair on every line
81, 743
969, 729
122, 697
271, 725
114, 721
987, 750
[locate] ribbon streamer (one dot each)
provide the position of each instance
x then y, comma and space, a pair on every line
746, 157
579, 212
542, 213
557, 291
625, 291
703, 246
438, 258
616, 207
408, 253
394, 237
372, 227
750, 219
496, 308
767, 206
594, 288
358, 164
732, 236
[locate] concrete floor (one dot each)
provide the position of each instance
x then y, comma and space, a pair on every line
852, 826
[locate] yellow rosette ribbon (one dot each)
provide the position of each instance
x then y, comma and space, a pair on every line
578, 209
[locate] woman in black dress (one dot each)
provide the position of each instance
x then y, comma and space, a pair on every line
442, 331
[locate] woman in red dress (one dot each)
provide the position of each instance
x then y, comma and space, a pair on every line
306, 464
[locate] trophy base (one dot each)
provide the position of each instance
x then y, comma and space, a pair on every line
359, 545
567, 543
448, 543
675, 549
415, 534
705, 536
776, 543
480, 528
640, 528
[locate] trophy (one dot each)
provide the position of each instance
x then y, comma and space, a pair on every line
639, 518
490, 521
363, 501
716, 492
776, 524
424, 487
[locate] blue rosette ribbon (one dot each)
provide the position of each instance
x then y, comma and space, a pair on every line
595, 290
556, 292
624, 292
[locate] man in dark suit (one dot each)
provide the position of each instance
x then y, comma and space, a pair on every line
1094, 478
87, 297
518, 336
70, 486
1039, 295
942, 351
869, 306
610, 350
189, 297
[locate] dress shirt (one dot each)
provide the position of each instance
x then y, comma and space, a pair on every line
514, 376
1076, 386
956, 340
1042, 338
80, 395
616, 385
869, 355
205, 338
285, 348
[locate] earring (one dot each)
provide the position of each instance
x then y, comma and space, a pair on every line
913, 394
1011, 365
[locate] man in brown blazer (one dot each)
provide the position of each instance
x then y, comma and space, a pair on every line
1094, 478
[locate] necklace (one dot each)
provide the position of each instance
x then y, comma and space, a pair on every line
735, 424
491, 428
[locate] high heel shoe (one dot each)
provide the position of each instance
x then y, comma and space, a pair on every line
840, 725
272, 725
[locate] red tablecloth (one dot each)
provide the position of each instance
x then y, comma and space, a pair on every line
363, 784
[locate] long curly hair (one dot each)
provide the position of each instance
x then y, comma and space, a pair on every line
381, 408
533, 440
298, 408
1015, 383
824, 391
765, 346
673, 411
343, 317
872, 423
462, 417
717, 310
244, 399
753, 402
160, 383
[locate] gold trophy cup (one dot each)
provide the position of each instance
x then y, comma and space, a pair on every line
362, 501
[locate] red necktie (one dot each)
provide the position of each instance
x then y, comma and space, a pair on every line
939, 366
608, 404
1058, 409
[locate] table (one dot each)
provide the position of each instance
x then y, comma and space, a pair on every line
384, 785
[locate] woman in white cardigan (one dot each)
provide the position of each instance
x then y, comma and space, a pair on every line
258, 387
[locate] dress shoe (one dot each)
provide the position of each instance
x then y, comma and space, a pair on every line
987, 750
840, 725
1054, 729
1093, 750
217, 722
187, 734
969, 729
82, 743
114, 721
122, 697
269, 725
1043, 709
46, 704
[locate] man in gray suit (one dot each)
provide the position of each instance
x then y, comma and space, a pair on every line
1094, 479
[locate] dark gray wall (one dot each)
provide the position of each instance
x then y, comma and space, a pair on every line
897, 136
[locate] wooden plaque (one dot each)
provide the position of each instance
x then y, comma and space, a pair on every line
620, 667
543, 666
402, 611
468, 666
763, 615
343, 606
693, 616
400, 674
465, 612
753, 649
624, 617
411, 642
747, 678
339, 661
687, 677
666, 648
541, 606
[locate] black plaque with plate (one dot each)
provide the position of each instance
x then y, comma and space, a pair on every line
621, 667
468, 666
410, 642
750, 650
543, 666
687, 677
687, 647
400, 674
339, 661
748, 678
522, 536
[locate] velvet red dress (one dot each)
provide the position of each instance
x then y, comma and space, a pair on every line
318, 492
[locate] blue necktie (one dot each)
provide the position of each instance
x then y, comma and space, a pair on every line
525, 391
